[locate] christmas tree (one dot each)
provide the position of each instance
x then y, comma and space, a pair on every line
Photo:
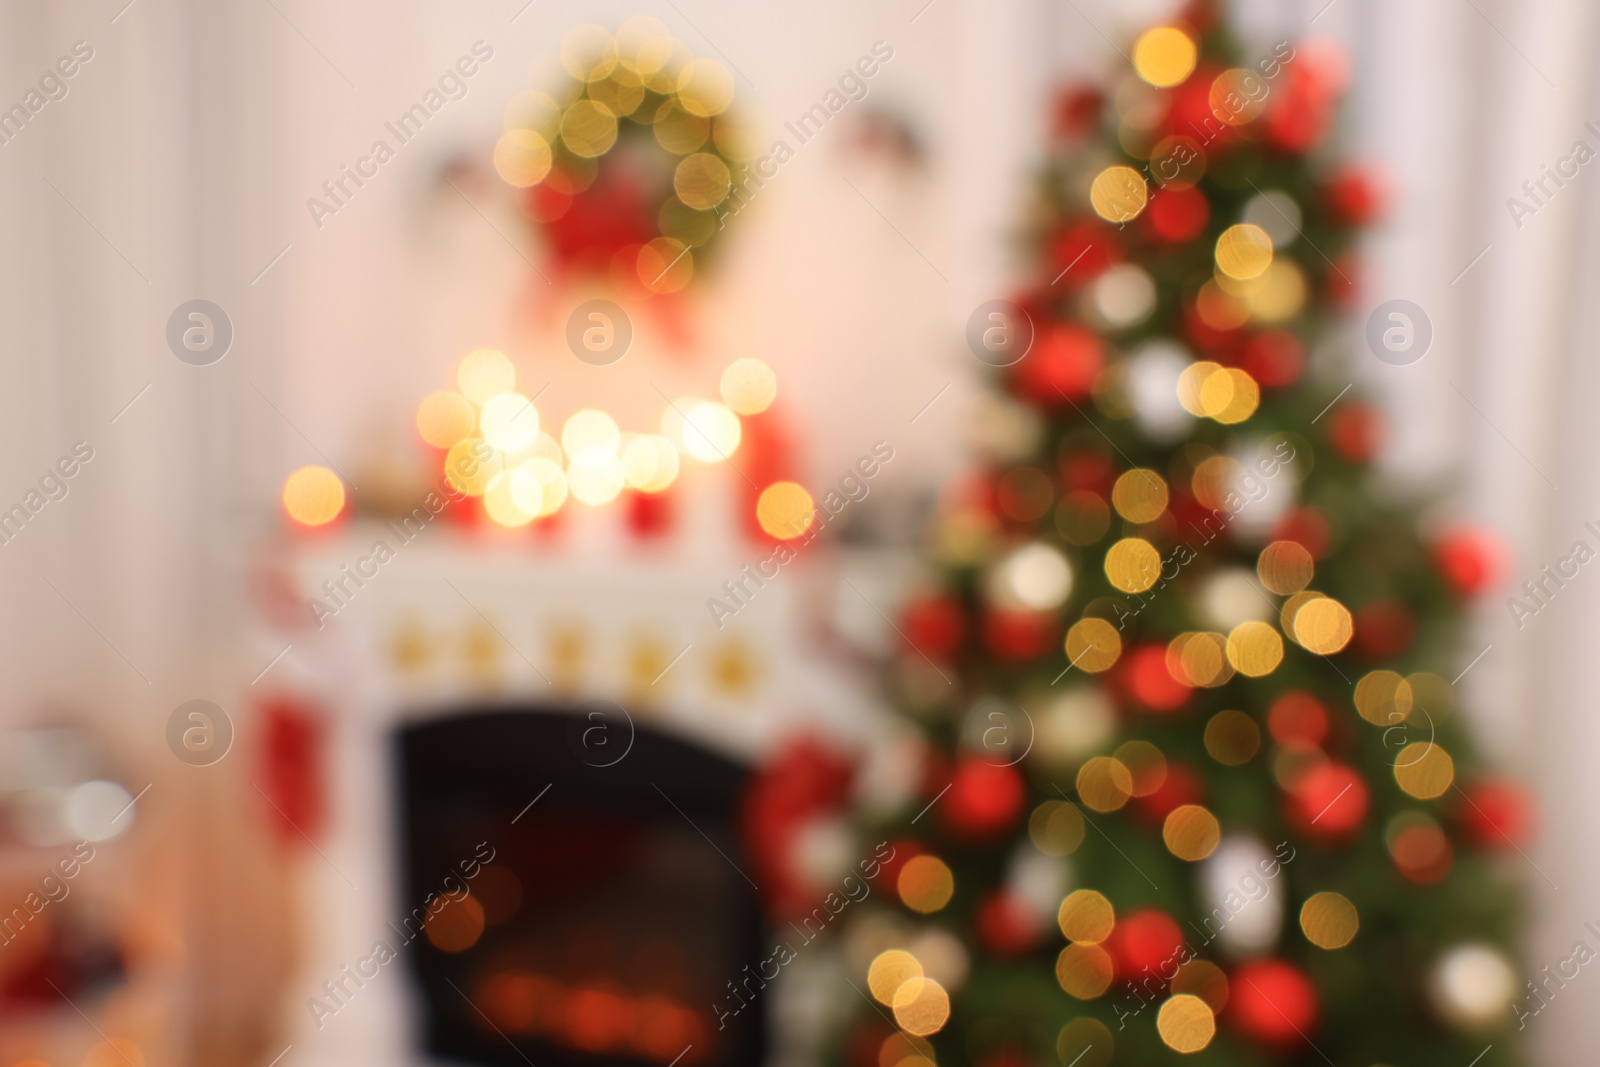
1195, 787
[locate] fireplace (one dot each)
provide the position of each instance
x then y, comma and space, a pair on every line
576, 893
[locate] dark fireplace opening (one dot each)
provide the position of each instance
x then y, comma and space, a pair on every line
574, 914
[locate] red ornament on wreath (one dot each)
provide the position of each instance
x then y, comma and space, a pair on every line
1146, 678
1144, 942
1019, 636
1328, 801
1272, 1002
1061, 367
1471, 559
1182, 785
983, 799
1356, 430
934, 625
1177, 213
1496, 814
1005, 925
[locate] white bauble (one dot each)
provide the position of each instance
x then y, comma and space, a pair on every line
1472, 986
1243, 894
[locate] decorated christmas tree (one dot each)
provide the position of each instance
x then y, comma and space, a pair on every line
1195, 785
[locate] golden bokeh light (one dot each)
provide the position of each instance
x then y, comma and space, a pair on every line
504, 501
1085, 1042
709, 431
643, 44
1093, 645
1056, 828
1199, 659
1104, 784
1164, 56
785, 510
1186, 1023
485, 372
925, 884
678, 131
1140, 495
1323, 626
1255, 649
444, 418
1133, 564
1285, 567
665, 265
1279, 294
465, 472
522, 157
1432, 695
620, 98
1232, 738
1291, 609
1244, 251
889, 971
702, 181
921, 1006
1238, 96
589, 52
1083, 970
457, 926
588, 129
1329, 920
509, 422
596, 483
1233, 396
1220, 309
1086, 916
649, 463
705, 87
1191, 832
1424, 770
313, 496
1203, 979
1118, 194
1383, 698
1146, 763
590, 438
748, 386
549, 479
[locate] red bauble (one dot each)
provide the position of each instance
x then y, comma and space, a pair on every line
1328, 801
292, 769
1005, 925
1496, 814
650, 514
1297, 717
1307, 528
983, 800
1355, 196
1145, 675
1471, 559
1177, 213
1076, 110
1061, 368
1272, 1002
1182, 785
805, 780
1088, 471
1145, 939
1356, 431
1019, 636
934, 626
1079, 253
1274, 359
1384, 629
